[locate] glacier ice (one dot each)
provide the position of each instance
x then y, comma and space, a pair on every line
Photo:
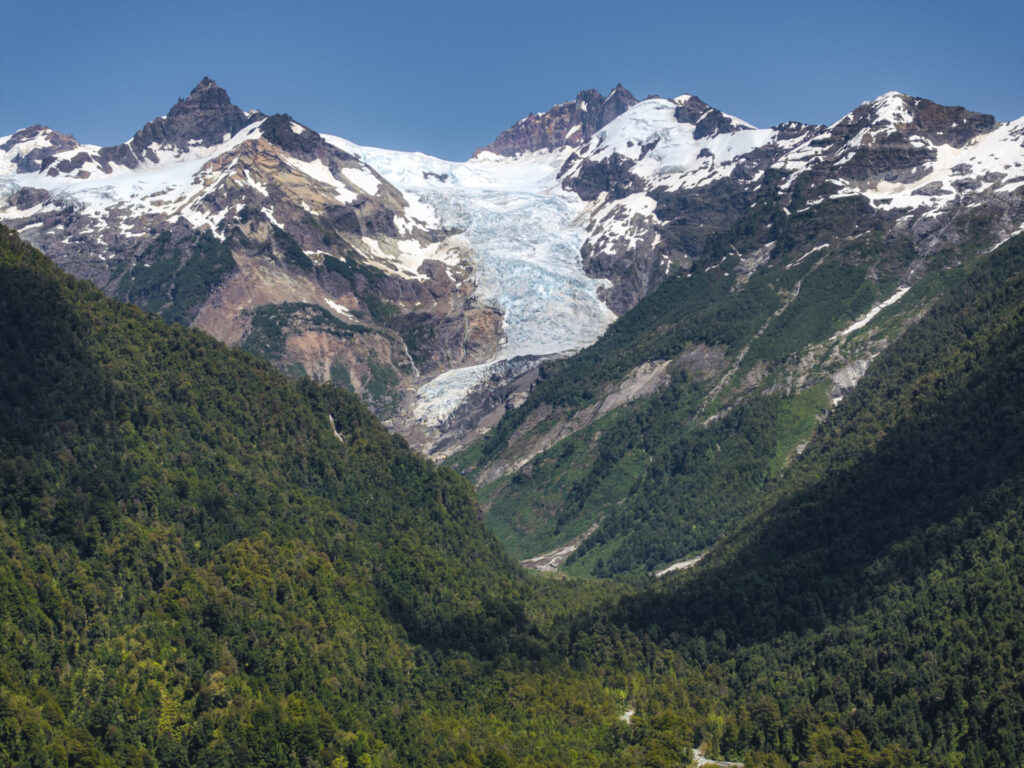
525, 249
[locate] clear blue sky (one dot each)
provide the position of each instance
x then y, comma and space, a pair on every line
446, 77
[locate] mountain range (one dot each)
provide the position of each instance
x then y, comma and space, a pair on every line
755, 393
434, 289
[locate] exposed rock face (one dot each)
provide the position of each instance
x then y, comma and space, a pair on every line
666, 176
439, 343
372, 273
640, 382
505, 388
35, 145
610, 176
902, 116
706, 121
206, 117
261, 232
564, 125
769, 268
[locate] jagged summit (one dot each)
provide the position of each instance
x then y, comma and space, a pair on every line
35, 145
706, 120
457, 271
895, 112
205, 118
569, 124
207, 96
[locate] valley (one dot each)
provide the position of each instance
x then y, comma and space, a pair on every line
718, 282
642, 437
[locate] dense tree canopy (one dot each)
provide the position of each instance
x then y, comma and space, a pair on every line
203, 563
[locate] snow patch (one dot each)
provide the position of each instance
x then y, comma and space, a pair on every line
318, 171
519, 230
815, 249
167, 186
363, 179
341, 310
665, 151
682, 565
868, 316
892, 108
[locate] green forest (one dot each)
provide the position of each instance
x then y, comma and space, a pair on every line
748, 355
205, 563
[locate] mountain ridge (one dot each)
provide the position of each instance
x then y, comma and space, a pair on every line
373, 239
570, 123
774, 273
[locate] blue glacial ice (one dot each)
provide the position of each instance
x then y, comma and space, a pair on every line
525, 250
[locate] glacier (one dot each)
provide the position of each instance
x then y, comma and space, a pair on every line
525, 238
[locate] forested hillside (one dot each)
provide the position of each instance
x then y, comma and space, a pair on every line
207, 564
668, 429
881, 584
204, 563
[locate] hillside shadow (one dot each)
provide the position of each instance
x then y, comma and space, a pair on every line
825, 551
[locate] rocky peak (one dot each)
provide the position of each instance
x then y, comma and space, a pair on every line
207, 97
569, 124
37, 134
894, 137
282, 131
30, 148
617, 102
205, 117
898, 115
705, 119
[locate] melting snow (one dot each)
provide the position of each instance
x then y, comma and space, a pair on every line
998, 152
316, 169
363, 179
892, 108
868, 316
144, 185
813, 250
341, 310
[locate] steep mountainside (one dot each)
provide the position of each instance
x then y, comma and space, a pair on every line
826, 244
668, 174
436, 289
257, 230
207, 564
564, 125
204, 563
879, 583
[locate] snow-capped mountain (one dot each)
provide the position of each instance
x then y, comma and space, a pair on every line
668, 173
202, 164
521, 228
256, 229
564, 125
434, 288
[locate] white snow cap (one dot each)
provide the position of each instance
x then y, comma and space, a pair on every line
892, 108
